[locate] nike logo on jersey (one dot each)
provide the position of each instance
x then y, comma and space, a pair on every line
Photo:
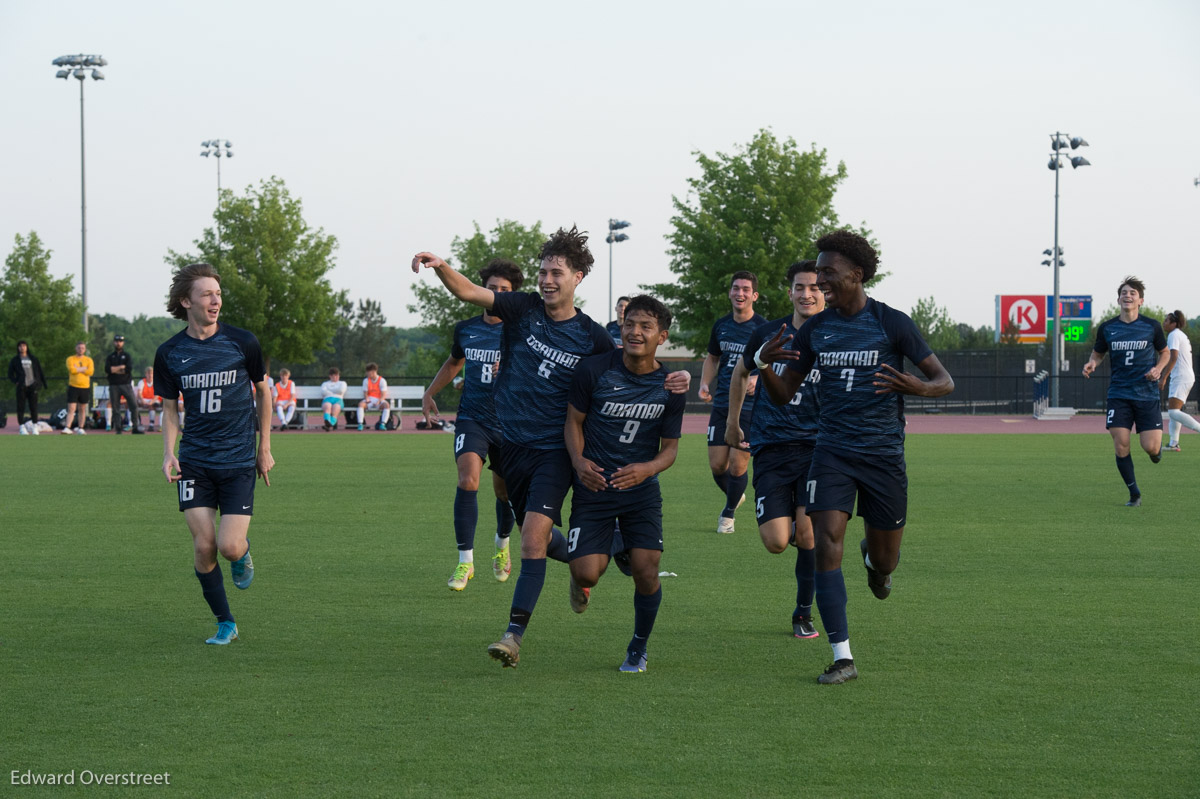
184, 360
547, 507
245, 507
829, 336
618, 388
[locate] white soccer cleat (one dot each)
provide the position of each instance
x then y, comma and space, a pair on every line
725, 525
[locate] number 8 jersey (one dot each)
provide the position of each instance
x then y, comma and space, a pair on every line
477, 343
216, 377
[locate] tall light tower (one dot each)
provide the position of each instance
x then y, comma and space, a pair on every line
81, 65
1058, 143
213, 147
613, 237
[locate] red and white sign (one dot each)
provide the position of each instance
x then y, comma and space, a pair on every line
1026, 311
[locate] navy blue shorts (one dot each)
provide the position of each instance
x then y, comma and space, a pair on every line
594, 515
229, 490
471, 436
1126, 413
537, 480
880, 483
719, 417
780, 480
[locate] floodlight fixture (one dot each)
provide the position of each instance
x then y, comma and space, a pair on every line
217, 150
1079, 161
1078, 142
613, 238
617, 224
78, 66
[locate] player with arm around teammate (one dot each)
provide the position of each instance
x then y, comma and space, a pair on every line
213, 367
1178, 377
476, 351
726, 344
1139, 355
781, 440
858, 346
544, 338
622, 431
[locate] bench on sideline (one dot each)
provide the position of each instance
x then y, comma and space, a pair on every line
400, 398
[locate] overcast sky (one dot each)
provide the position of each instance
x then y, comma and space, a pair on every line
401, 124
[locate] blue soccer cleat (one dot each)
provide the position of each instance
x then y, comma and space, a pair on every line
635, 663
226, 634
242, 570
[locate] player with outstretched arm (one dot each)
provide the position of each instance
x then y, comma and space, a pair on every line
215, 368
858, 346
622, 431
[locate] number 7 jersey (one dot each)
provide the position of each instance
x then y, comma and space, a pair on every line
216, 377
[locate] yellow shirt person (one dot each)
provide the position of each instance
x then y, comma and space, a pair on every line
80, 368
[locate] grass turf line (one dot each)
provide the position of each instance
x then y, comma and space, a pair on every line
1040, 640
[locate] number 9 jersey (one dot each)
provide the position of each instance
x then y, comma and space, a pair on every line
216, 377
477, 343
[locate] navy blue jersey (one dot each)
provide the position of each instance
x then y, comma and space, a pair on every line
613, 329
848, 351
794, 422
1133, 349
478, 343
627, 414
538, 357
217, 378
728, 341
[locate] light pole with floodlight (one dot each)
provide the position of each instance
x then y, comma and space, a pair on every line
81, 63
1058, 143
213, 147
613, 237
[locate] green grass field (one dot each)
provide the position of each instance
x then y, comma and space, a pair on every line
1041, 640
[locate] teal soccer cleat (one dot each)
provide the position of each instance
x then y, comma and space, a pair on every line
226, 634
242, 570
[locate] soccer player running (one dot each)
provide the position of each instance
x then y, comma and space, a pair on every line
858, 346
544, 338
726, 344
622, 430
1139, 356
215, 368
1180, 375
782, 436
477, 433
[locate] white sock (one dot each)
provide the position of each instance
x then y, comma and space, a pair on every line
152, 417
1185, 419
841, 650
385, 414
289, 411
466, 556
108, 417
502, 543
1174, 427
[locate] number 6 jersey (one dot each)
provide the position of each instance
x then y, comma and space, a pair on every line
216, 377
539, 360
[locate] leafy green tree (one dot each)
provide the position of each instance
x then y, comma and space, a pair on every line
273, 270
760, 208
362, 337
940, 331
440, 310
38, 308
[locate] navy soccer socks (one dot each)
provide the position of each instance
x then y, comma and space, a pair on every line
466, 514
735, 488
831, 602
213, 586
645, 611
557, 548
1125, 467
525, 597
504, 519
806, 564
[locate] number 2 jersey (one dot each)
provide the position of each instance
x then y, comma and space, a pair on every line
539, 357
477, 343
216, 377
627, 414
848, 351
727, 342
1133, 349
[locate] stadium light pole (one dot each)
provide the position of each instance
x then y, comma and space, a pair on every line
81, 63
1058, 143
213, 147
613, 237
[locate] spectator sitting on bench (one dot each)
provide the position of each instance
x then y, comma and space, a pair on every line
375, 398
146, 398
334, 390
285, 398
